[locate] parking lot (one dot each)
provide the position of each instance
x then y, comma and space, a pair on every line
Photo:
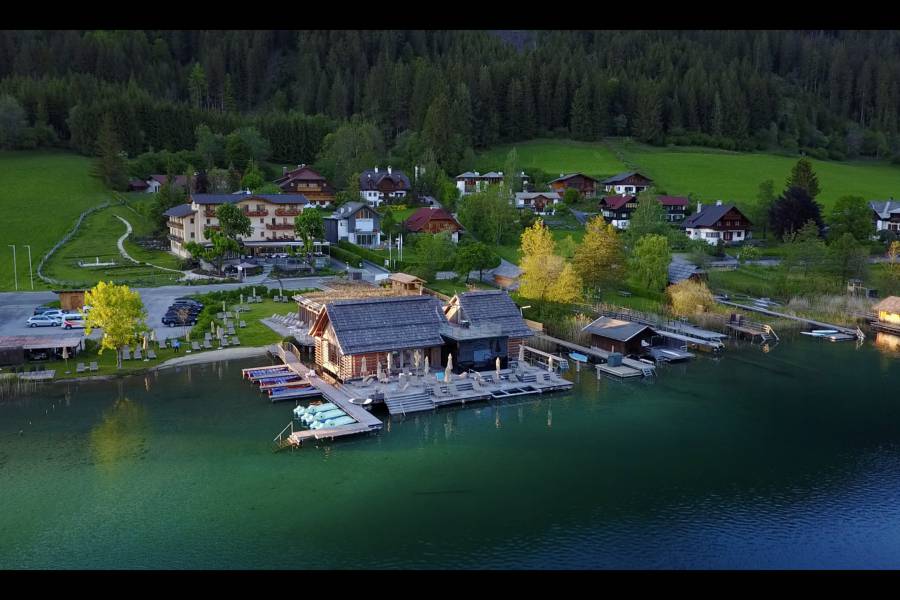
16, 307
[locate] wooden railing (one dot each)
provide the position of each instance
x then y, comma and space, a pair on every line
256, 213
280, 226
287, 212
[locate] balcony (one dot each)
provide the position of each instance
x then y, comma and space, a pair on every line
175, 238
280, 226
257, 213
176, 225
287, 212
209, 212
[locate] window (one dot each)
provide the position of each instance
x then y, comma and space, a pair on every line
261, 221
192, 220
192, 235
712, 234
207, 221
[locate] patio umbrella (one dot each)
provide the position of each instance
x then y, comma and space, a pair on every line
223, 306
242, 298
212, 326
426, 365
380, 373
448, 372
521, 354
187, 335
66, 357
416, 359
389, 363
550, 364
145, 348
497, 362
254, 292
362, 365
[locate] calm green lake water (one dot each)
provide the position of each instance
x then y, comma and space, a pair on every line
786, 459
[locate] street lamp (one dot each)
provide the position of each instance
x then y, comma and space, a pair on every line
15, 271
30, 272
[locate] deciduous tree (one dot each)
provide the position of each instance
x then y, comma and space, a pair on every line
650, 262
600, 259
689, 297
851, 214
309, 225
233, 221
473, 255
119, 312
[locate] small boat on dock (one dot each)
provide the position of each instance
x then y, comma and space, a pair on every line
661, 354
277, 394
266, 384
578, 357
257, 373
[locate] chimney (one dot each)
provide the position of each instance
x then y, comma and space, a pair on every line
389, 169
283, 170
699, 207
500, 173
718, 203
376, 169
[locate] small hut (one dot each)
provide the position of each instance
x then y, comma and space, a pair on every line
616, 335
888, 314
405, 284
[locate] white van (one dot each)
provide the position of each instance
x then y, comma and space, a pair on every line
73, 321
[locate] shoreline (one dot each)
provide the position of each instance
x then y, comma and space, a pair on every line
209, 356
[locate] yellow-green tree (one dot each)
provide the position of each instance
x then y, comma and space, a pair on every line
688, 297
545, 276
650, 262
567, 288
600, 259
119, 312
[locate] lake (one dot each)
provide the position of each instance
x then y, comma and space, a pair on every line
781, 459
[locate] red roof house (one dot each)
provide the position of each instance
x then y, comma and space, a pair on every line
433, 220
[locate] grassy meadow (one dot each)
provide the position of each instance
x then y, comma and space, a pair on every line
555, 156
707, 173
44, 192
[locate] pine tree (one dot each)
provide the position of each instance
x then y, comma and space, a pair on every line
197, 86
582, 116
804, 177
110, 164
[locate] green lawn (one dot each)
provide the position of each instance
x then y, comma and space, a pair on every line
44, 192
707, 173
96, 239
555, 156
452, 286
732, 176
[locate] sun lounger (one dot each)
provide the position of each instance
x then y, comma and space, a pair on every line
137, 354
207, 344
224, 342
163, 343
151, 354
80, 368
94, 366
235, 341
195, 345
126, 353
243, 323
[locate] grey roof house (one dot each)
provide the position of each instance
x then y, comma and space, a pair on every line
355, 222
887, 215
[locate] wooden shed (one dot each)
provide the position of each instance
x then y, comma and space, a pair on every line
616, 335
70, 300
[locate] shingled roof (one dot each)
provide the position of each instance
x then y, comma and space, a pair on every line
890, 304
369, 179
679, 271
617, 202
182, 210
622, 177
884, 208
494, 307
386, 324
421, 217
614, 329
708, 215
564, 177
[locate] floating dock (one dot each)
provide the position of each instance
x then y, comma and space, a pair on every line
629, 367
854, 333
661, 354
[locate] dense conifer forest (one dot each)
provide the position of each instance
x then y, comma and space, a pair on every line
828, 94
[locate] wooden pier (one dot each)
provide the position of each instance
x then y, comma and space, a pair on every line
629, 367
684, 333
855, 332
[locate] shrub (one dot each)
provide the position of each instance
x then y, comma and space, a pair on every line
688, 297
344, 255
361, 252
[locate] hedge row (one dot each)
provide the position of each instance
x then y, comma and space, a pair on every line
347, 256
364, 253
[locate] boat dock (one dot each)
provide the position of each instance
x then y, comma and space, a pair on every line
684, 333
847, 331
628, 368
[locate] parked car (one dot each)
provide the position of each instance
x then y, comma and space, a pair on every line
42, 309
55, 314
73, 321
174, 319
41, 321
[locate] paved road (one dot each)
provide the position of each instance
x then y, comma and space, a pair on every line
16, 307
